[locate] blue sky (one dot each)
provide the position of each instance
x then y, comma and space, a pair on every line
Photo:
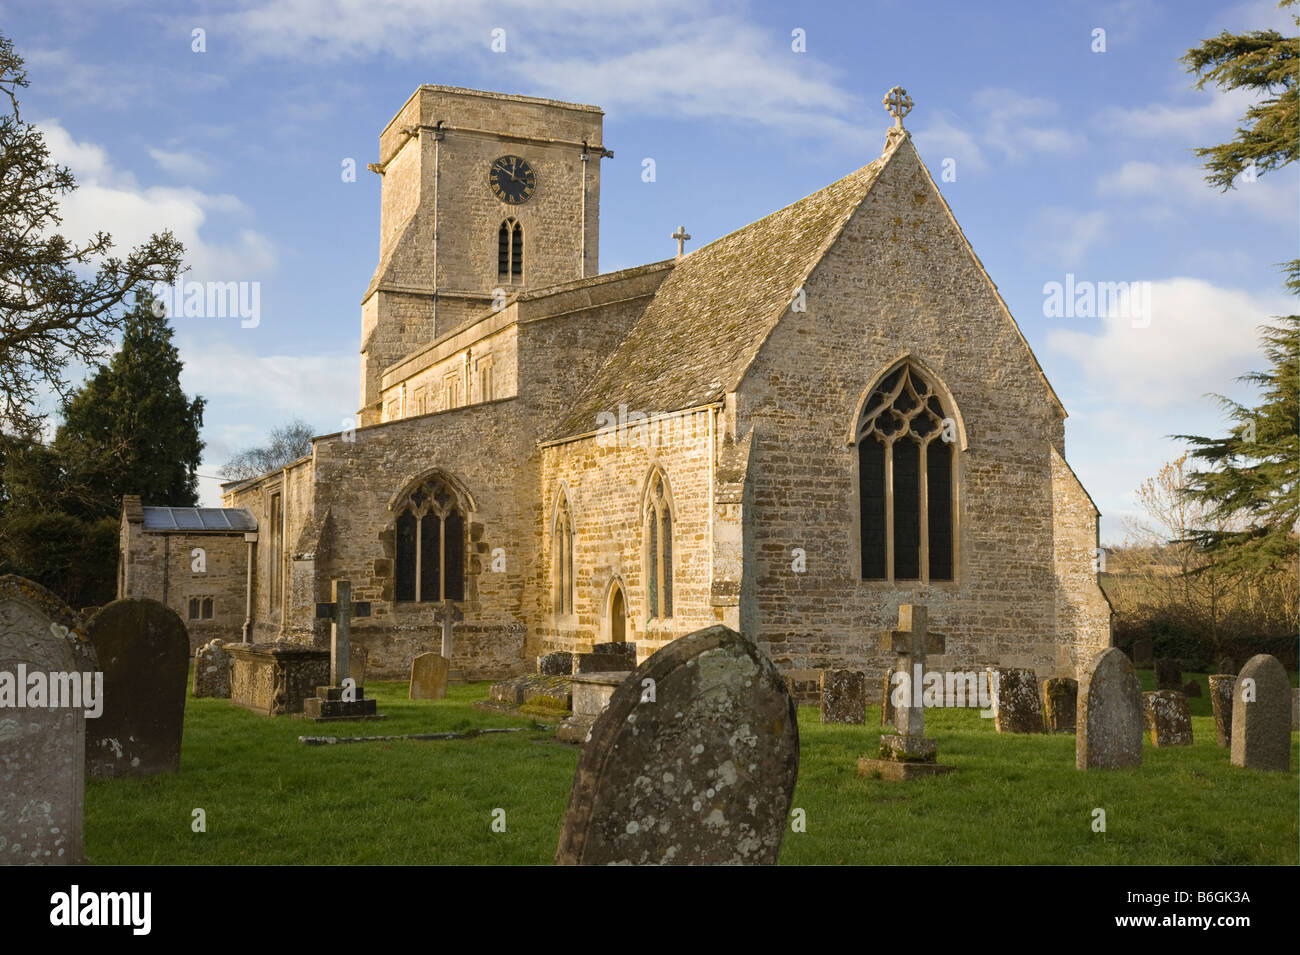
1067, 160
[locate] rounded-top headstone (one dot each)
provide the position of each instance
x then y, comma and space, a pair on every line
694, 761
1261, 715
143, 649
42, 748
1110, 720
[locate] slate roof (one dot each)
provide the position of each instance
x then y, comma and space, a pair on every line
710, 316
203, 519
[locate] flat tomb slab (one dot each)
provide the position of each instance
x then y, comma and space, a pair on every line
897, 770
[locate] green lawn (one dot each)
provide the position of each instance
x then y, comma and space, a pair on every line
1013, 799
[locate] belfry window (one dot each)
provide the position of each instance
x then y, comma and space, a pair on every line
659, 550
510, 252
430, 562
905, 481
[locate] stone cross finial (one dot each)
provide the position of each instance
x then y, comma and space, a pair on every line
912, 641
681, 235
899, 105
340, 613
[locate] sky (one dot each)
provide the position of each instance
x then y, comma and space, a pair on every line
1061, 134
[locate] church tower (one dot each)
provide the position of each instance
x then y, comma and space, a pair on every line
481, 192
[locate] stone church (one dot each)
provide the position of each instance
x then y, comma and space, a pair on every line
790, 430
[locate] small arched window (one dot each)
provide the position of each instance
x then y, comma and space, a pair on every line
510, 252
905, 481
659, 549
562, 586
430, 564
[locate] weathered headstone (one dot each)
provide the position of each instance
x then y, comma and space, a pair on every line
696, 767
42, 748
212, 670
1192, 689
559, 663
1143, 652
602, 663
887, 699
908, 754
1168, 719
144, 650
1109, 724
1060, 704
1221, 699
1169, 673
1016, 705
429, 677
1226, 665
625, 650
1261, 721
844, 696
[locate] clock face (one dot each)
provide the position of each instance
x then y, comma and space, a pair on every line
512, 180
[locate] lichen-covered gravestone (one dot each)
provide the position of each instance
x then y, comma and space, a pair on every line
1261, 715
887, 699
559, 663
1221, 685
143, 649
429, 676
1108, 730
212, 670
696, 766
1060, 704
42, 748
1168, 718
1016, 706
844, 696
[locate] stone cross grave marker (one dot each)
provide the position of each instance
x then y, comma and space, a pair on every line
42, 748
337, 701
448, 615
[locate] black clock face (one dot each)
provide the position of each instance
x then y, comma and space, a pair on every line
512, 180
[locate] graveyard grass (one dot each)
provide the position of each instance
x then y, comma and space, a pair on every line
269, 799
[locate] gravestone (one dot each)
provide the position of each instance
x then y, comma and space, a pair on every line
602, 663
555, 664
1060, 704
1261, 718
625, 650
338, 701
844, 696
1226, 665
908, 754
212, 670
1221, 699
429, 677
42, 748
1168, 719
1169, 674
1143, 652
1192, 689
144, 650
275, 678
589, 695
1110, 720
887, 699
1016, 705
701, 771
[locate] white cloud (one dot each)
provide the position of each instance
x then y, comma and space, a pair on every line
112, 200
181, 165
942, 139
1017, 124
1176, 185
1212, 113
1200, 338
1065, 235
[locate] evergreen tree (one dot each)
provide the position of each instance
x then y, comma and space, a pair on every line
1255, 471
130, 429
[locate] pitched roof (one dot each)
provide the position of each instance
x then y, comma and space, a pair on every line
711, 315
207, 519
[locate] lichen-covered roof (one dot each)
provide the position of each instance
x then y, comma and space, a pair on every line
712, 314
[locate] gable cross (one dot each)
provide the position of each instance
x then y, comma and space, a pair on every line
340, 613
899, 105
681, 235
911, 642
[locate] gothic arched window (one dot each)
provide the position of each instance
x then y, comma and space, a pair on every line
430, 545
905, 481
510, 252
562, 558
659, 550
